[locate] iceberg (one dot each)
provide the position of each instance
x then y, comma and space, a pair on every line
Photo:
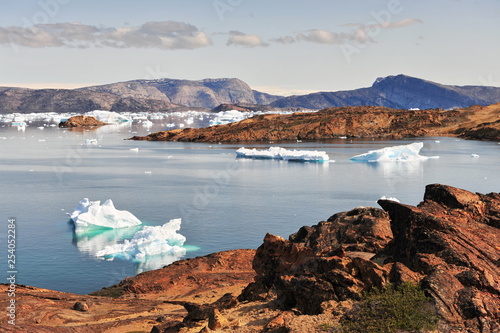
396, 153
231, 116
151, 241
279, 153
389, 198
89, 215
109, 117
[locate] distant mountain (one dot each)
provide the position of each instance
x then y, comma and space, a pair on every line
400, 91
164, 95
138, 95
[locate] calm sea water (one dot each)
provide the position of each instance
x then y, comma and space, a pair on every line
224, 202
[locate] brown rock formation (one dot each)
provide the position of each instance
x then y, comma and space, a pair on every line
448, 244
452, 239
81, 121
360, 121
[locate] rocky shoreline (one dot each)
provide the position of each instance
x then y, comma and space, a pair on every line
312, 282
476, 122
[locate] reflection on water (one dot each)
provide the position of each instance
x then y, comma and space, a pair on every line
148, 247
93, 241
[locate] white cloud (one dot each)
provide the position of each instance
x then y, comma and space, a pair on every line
238, 38
319, 36
360, 33
162, 35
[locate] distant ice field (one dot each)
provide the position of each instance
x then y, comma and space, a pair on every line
224, 202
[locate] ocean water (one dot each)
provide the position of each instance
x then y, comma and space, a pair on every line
224, 203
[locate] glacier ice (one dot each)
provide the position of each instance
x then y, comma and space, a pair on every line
90, 215
408, 152
149, 243
283, 154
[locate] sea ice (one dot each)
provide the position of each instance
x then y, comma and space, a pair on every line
396, 153
90, 215
108, 116
231, 116
147, 242
279, 153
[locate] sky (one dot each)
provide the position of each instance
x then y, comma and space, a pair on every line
283, 47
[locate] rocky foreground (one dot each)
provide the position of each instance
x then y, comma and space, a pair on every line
476, 122
449, 245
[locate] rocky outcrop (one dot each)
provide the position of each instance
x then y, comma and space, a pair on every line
81, 121
452, 239
362, 121
448, 244
326, 262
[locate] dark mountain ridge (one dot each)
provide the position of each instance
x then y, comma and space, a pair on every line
400, 92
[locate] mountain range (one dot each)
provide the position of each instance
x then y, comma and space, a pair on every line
165, 95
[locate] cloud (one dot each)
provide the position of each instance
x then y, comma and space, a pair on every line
284, 40
238, 38
320, 36
359, 33
168, 35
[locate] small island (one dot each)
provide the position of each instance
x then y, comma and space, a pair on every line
81, 121
475, 122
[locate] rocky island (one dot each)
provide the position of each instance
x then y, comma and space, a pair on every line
446, 247
81, 121
475, 122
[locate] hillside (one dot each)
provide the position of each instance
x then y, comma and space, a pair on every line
362, 121
161, 95
164, 95
401, 92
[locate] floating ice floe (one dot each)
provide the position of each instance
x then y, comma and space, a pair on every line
89, 215
396, 153
147, 242
279, 153
90, 142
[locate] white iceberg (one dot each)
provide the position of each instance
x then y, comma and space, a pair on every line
231, 116
389, 198
396, 153
109, 117
92, 215
158, 241
279, 153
